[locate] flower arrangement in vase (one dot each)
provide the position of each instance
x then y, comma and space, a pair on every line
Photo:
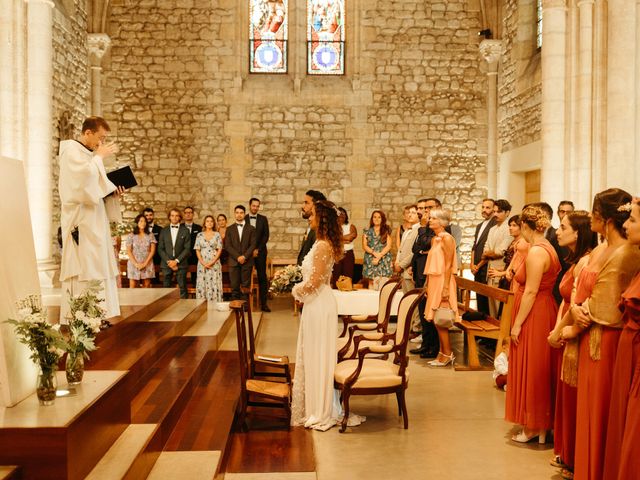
45, 342
85, 318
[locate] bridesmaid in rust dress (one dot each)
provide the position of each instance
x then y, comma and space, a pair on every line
622, 457
613, 264
575, 234
531, 362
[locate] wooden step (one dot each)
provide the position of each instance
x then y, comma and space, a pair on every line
9, 472
191, 465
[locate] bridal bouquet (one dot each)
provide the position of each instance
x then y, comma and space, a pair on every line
284, 280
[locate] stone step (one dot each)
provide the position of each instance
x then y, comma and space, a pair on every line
191, 465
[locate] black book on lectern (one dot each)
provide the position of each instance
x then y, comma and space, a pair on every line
123, 177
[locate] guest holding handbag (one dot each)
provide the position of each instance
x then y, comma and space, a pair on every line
442, 302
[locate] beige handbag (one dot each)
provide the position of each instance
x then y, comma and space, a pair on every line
444, 317
344, 283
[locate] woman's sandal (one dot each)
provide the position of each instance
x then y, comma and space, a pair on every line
566, 473
556, 461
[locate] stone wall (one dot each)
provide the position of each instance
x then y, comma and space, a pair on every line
519, 83
71, 83
408, 119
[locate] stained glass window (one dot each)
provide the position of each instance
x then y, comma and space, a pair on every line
268, 36
539, 24
325, 37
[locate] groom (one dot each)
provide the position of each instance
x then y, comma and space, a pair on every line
310, 236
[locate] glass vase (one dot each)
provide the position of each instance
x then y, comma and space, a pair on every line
46, 386
74, 368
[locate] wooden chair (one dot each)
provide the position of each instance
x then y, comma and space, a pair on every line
384, 303
261, 364
254, 392
487, 328
374, 376
377, 328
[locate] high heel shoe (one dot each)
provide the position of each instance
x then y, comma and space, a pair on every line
439, 363
522, 437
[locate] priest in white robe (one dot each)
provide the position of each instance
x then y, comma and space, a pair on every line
89, 201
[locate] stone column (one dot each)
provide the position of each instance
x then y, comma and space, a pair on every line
39, 114
98, 44
490, 51
554, 78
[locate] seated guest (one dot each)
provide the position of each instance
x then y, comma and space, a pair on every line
611, 267
622, 455
529, 400
222, 230
175, 247
440, 270
575, 235
501, 366
208, 247
345, 266
141, 246
376, 243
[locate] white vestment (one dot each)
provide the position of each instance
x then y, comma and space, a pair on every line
85, 203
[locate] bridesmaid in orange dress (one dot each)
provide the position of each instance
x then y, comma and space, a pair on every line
530, 395
575, 234
622, 456
441, 283
613, 264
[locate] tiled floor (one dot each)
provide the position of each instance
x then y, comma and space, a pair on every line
456, 427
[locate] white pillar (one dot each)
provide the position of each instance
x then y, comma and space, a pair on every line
554, 77
40, 131
98, 44
491, 50
584, 137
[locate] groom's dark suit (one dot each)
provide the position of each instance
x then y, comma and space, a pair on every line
309, 240
262, 237
179, 251
237, 246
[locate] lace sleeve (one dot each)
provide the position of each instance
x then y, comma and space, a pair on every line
321, 269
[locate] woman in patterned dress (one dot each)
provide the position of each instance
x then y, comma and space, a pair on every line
208, 248
376, 243
140, 247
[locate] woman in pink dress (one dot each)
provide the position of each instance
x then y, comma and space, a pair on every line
441, 284
574, 234
622, 455
611, 267
530, 399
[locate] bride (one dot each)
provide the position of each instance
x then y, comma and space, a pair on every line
315, 403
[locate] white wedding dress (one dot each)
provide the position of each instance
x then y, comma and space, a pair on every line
315, 403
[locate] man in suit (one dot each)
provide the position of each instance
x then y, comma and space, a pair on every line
153, 228
194, 229
261, 224
478, 264
174, 246
310, 236
240, 242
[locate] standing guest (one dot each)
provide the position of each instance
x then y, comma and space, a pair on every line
345, 266
530, 399
153, 228
261, 224
89, 201
175, 247
611, 268
430, 345
310, 235
404, 257
565, 207
497, 243
208, 246
222, 230
376, 243
240, 243
550, 234
403, 227
514, 256
622, 455
479, 266
194, 229
574, 234
141, 246
440, 270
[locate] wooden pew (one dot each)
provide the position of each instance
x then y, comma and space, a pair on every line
489, 328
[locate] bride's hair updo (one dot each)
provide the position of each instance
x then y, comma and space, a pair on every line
328, 228
610, 205
535, 219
